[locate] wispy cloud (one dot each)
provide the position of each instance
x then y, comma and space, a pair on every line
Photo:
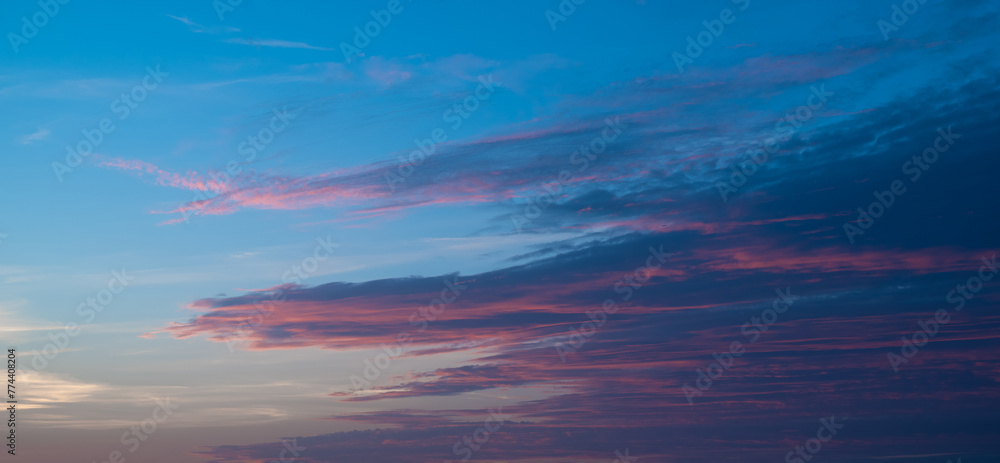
40, 135
198, 28
277, 44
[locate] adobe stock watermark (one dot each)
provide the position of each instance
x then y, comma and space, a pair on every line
752, 330
899, 17
929, 328
291, 448
565, 9
136, 435
827, 430
475, 441
30, 27
363, 36
538, 203
784, 129
421, 318
123, 107
626, 287
295, 275
222, 7
456, 115
90, 308
714, 28
914, 168
626, 458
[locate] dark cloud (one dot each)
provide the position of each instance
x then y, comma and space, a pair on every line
655, 190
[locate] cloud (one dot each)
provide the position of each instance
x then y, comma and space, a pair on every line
45, 389
654, 192
825, 356
514, 165
271, 43
190, 181
40, 135
198, 28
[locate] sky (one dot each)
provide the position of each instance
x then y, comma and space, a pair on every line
536, 232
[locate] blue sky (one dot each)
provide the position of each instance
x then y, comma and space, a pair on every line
152, 200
